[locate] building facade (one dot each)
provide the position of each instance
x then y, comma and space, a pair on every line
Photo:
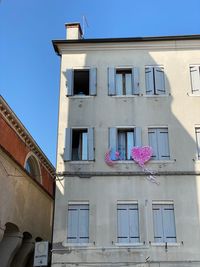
116, 94
26, 192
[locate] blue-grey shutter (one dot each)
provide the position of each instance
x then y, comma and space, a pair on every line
195, 79
123, 223
68, 144
83, 224
72, 226
152, 135
159, 80
138, 136
70, 82
163, 143
135, 81
90, 143
149, 80
111, 81
158, 224
93, 81
113, 142
134, 223
169, 223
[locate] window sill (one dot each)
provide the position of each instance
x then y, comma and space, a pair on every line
130, 245
80, 96
153, 96
190, 94
162, 161
125, 96
79, 161
164, 244
66, 244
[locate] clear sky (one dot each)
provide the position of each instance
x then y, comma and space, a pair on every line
29, 67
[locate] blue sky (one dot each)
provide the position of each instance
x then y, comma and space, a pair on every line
29, 67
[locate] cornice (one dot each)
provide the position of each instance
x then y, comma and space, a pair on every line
25, 136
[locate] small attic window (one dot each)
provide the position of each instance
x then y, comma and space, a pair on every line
32, 168
81, 82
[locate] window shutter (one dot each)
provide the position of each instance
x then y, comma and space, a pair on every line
134, 223
152, 135
163, 144
72, 229
93, 81
138, 136
90, 143
111, 81
123, 224
149, 80
83, 224
159, 80
135, 81
195, 78
68, 144
130, 143
169, 223
113, 142
158, 224
70, 82
197, 130
84, 149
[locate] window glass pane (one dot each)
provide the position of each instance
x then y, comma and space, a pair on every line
122, 144
84, 146
119, 84
128, 82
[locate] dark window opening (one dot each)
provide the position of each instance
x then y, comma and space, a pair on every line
81, 82
79, 144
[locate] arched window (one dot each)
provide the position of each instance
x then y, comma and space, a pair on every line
32, 168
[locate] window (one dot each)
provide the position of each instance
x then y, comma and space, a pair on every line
122, 140
158, 140
195, 78
32, 168
79, 144
81, 82
155, 83
197, 132
164, 223
123, 81
78, 223
128, 223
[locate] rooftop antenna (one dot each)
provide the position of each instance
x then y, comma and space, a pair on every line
85, 22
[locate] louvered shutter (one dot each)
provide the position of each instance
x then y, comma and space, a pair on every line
152, 135
90, 143
169, 223
138, 136
68, 144
70, 82
149, 80
159, 80
111, 81
72, 229
158, 223
134, 223
113, 142
83, 224
135, 81
197, 130
123, 224
195, 79
93, 81
163, 144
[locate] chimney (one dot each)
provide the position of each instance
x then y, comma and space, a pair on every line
73, 31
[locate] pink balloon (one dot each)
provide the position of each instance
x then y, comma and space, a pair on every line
141, 154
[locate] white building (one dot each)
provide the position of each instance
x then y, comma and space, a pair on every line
116, 94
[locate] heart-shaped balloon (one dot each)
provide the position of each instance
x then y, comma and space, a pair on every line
141, 154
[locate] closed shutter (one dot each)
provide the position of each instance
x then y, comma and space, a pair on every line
123, 224
111, 81
134, 223
93, 81
169, 223
138, 136
68, 144
83, 224
149, 80
152, 135
159, 80
135, 81
158, 223
195, 79
197, 130
163, 143
90, 143
70, 82
72, 229
113, 142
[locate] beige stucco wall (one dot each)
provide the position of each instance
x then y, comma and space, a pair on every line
177, 110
